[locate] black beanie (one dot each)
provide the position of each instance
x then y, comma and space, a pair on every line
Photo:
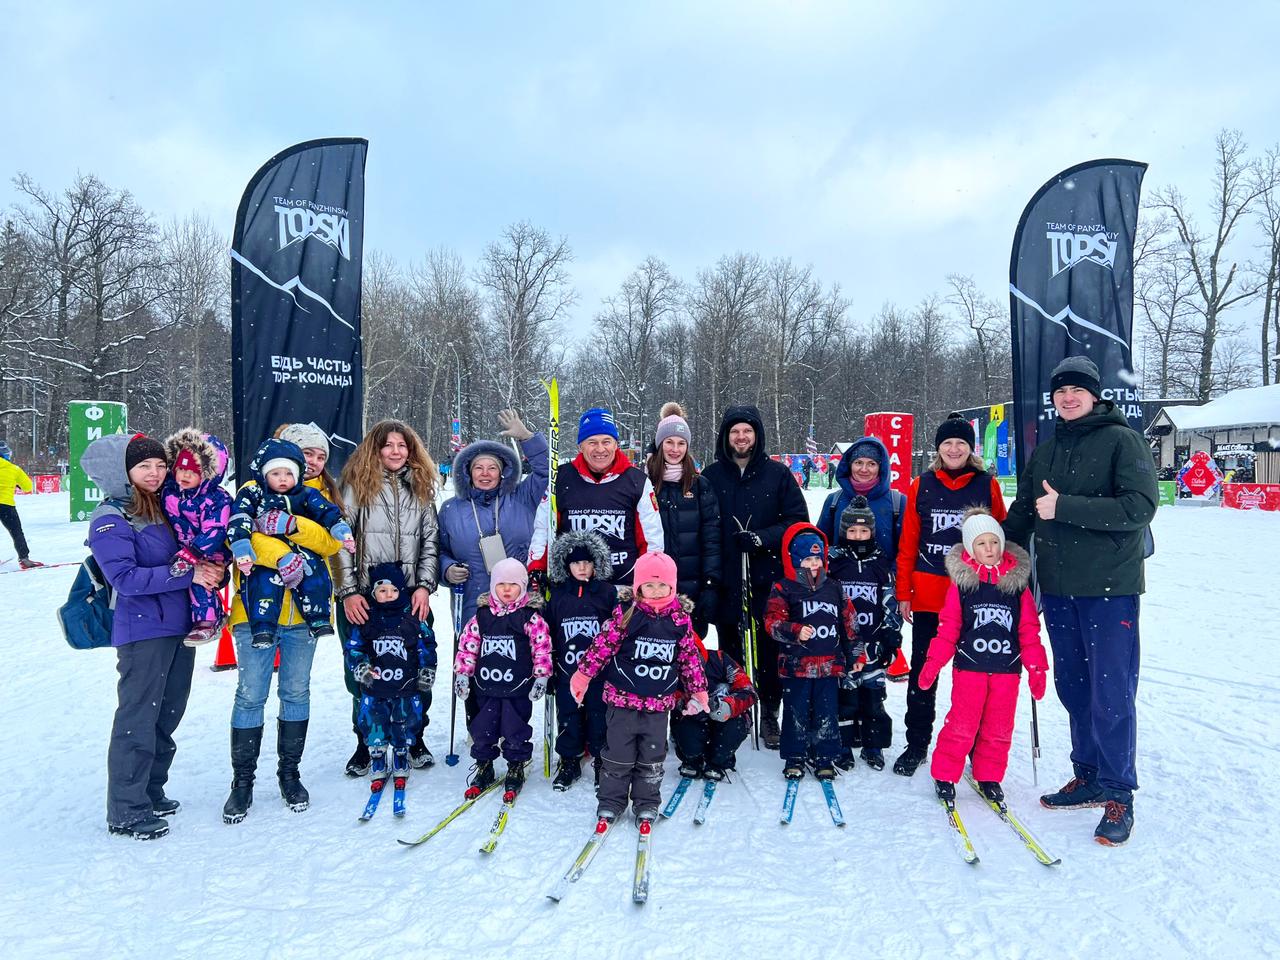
856, 514
579, 553
141, 447
955, 427
1076, 372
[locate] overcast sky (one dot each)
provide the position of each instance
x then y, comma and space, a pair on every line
886, 144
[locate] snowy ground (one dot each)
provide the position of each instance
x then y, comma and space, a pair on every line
1198, 879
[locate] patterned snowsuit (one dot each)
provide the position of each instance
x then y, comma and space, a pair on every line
199, 516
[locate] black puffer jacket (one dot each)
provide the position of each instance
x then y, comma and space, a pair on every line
691, 532
764, 498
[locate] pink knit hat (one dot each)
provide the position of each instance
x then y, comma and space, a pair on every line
654, 566
510, 570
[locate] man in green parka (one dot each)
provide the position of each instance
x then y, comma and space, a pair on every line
1088, 494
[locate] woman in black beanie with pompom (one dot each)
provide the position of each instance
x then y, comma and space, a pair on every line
936, 504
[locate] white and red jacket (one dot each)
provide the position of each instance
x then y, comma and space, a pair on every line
619, 505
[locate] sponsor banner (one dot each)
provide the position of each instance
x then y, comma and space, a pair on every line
87, 420
295, 296
895, 431
1071, 291
1008, 487
1200, 475
1168, 493
1251, 496
46, 483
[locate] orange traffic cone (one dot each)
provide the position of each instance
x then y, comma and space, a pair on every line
899, 670
225, 657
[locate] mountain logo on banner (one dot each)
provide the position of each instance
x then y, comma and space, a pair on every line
1074, 243
299, 219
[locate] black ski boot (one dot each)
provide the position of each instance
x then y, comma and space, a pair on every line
291, 737
165, 807
793, 769
770, 732
715, 773
1116, 824
419, 756
482, 779
567, 773
845, 761
946, 791
514, 781
245, 745
992, 791
824, 770
1076, 794
358, 765
693, 769
908, 761
151, 828
873, 757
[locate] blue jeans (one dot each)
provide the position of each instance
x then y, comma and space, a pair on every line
297, 649
1095, 672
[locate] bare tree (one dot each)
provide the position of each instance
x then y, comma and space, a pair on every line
724, 306
526, 276
1267, 173
1215, 272
987, 319
629, 325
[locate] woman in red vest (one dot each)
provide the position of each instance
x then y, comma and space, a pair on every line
936, 504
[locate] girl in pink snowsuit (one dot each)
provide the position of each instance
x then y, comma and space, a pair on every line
646, 652
989, 624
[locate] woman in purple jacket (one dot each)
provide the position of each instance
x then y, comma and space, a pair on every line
134, 545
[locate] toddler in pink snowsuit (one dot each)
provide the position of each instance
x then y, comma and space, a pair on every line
989, 624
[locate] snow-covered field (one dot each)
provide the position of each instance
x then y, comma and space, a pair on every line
1197, 880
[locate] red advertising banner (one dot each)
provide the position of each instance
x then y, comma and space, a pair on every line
895, 431
1251, 496
46, 482
1200, 474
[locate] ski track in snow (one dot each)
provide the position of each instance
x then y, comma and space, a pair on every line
1196, 880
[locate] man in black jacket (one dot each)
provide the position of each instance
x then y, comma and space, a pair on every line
759, 500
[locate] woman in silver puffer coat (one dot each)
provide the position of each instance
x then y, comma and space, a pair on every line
388, 494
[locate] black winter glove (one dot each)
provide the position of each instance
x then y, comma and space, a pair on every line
364, 674
748, 542
535, 583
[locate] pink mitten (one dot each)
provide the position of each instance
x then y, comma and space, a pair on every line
928, 675
1036, 681
578, 684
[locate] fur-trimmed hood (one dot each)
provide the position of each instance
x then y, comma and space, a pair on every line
533, 600
566, 543
209, 450
461, 470
627, 595
1011, 576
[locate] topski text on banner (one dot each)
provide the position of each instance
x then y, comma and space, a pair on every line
1071, 291
295, 296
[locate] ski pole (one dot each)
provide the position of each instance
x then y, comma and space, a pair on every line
1035, 744
748, 631
455, 608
